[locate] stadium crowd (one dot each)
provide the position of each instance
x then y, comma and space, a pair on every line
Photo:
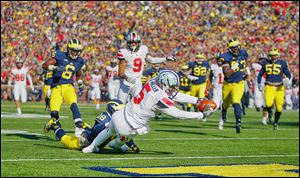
32, 30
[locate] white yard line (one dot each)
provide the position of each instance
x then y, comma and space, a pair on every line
145, 158
174, 139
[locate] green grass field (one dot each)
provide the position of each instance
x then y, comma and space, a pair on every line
172, 148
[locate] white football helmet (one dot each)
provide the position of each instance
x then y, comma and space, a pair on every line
133, 41
19, 62
168, 81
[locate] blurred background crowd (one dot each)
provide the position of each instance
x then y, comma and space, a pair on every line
33, 30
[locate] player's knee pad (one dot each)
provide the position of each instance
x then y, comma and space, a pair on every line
54, 114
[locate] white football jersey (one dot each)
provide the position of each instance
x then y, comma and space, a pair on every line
96, 80
134, 61
218, 75
20, 76
112, 72
140, 109
257, 67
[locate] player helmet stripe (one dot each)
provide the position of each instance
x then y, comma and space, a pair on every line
74, 48
168, 81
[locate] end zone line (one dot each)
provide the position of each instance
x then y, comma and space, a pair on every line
145, 158
180, 139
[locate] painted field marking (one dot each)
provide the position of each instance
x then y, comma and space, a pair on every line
173, 139
5, 115
145, 158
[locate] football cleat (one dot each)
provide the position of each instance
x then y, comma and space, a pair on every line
135, 149
264, 121
221, 123
90, 149
48, 125
271, 120
238, 128
275, 126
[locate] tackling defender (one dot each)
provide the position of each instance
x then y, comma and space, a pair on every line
274, 68
64, 66
87, 137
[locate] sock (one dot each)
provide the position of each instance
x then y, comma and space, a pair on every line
97, 106
277, 116
270, 112
183, 106
224, 113
237, 113
188, 108
47, 102
130, 143
59, 133
76, 114
19, 110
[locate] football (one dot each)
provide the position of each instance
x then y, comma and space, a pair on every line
203, 104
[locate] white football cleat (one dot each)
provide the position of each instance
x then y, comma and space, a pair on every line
90, 149
264, 121
221, 123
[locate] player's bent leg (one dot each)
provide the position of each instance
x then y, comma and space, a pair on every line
54, 119
133, 146
101, 138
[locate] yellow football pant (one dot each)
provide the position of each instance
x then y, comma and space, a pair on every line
198, 90
70, 142
62, 92
188, 93
45, 89
232, 93
274, 93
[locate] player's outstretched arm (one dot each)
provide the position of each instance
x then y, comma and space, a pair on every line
49, 64
180, 114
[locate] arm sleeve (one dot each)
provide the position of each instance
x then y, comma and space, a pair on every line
184, 98
192, 77
155, 60
30, 82
173, 111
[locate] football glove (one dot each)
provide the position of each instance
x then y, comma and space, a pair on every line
48, 94
171, 58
